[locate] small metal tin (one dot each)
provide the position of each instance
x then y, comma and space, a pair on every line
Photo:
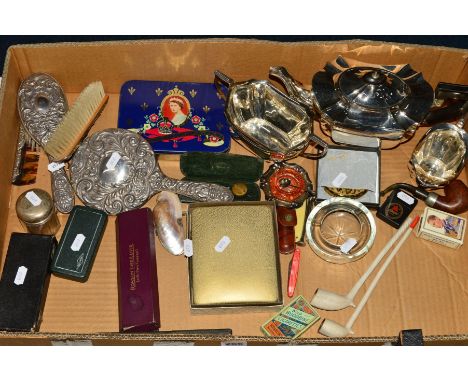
38, 217
239, 189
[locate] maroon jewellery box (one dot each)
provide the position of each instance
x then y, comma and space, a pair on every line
137, 272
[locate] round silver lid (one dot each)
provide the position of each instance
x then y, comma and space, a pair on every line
386, 102
34, 206
372, 88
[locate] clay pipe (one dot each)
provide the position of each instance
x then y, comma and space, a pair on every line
328, 300
332, 328
455, 200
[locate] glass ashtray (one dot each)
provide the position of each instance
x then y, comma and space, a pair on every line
340, 230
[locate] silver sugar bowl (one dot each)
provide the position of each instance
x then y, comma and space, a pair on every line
440, 155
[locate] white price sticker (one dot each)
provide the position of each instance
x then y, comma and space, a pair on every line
33, 198
340, 178
113, 160
233, 343
72, 343
78, 242
54, 166
222, 244
188, 248
405, 197
348, 245
20, 275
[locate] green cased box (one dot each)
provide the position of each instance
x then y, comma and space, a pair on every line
79, 243
238, 172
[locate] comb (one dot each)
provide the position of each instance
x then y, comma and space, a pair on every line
77, 122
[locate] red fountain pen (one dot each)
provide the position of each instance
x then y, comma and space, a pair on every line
293, 271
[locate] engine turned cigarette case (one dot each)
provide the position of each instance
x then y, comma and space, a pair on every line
25, 280
235, 258
137, 272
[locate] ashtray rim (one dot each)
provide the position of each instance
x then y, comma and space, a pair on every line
340, 202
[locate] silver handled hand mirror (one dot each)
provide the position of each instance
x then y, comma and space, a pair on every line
115, 170
42, 105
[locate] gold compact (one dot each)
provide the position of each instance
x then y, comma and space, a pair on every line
235, 258
36, 212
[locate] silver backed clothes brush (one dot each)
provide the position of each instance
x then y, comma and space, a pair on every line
42, 105
77, 122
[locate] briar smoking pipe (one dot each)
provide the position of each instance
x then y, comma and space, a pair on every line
455, 200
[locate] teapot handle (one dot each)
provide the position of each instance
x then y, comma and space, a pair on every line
457, 110
321, 145
222, 79
293, 87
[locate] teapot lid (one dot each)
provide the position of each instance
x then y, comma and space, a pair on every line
372, 100
372, 88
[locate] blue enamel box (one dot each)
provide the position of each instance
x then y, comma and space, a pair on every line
175, 117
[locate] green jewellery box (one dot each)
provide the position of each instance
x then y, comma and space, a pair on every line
79, 243
239, 172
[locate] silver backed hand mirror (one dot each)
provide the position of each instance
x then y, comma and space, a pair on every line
42, 105
115, 170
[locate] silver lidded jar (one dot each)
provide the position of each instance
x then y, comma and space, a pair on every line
36, 212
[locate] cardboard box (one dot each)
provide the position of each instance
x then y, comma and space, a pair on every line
420, 278
442, 228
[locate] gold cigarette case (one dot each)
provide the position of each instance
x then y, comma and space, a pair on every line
235, 258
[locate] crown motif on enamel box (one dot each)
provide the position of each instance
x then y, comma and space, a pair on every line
176, 92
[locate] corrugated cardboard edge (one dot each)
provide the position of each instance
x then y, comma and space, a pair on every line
237, 40
2, 95
149, 338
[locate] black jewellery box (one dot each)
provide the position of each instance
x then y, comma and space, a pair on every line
352, 172
25, 280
